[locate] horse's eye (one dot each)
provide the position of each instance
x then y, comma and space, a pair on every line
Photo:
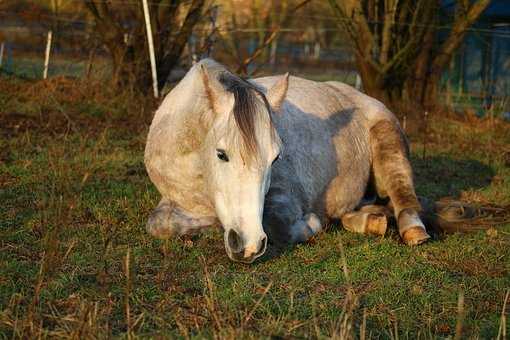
222, 155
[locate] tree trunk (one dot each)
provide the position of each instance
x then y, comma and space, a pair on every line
448, 48
372, 84
394, 43
130, 63
417, 82
431, 98
170, 52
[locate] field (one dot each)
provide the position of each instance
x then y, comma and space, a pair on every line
76, 262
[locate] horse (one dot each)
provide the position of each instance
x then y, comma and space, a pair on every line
273, 159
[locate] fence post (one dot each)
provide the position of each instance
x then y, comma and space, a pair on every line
317, 50
2, 46
192, 45
358, 85
47, 55
151, 48
272, 54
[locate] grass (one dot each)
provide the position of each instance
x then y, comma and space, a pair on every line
76, 262
32, 67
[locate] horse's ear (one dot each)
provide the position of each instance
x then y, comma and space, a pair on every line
276, 94
212, 88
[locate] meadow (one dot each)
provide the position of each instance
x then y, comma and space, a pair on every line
76, 262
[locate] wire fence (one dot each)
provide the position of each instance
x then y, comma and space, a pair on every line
71, 49
478, 76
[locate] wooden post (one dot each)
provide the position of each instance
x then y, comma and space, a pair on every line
47, 55
151, 48
2, 47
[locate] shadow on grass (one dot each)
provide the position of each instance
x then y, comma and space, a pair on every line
436, 177
441, 176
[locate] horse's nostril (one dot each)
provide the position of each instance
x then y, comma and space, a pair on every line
235, 242
263, 245
264, 242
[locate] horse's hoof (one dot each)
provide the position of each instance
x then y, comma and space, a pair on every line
314, 223
415, 236
376, 224
411, 228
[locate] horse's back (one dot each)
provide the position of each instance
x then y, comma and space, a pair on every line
325, 99
325, 126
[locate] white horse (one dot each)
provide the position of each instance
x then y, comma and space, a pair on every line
274, 158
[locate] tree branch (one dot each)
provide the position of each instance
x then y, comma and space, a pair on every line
176, 45
273, 34
423, 13
389, 19
461, 24
352, 21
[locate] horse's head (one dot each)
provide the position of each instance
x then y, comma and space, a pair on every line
239, 149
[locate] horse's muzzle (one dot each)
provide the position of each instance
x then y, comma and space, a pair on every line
239, 252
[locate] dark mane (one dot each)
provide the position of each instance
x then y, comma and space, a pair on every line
245, 110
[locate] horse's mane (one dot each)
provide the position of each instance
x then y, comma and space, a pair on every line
245, 108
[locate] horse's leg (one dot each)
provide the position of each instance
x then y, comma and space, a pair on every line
371, 219
168, 220
393, 179
285, 221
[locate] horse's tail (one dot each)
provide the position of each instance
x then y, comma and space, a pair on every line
450, 216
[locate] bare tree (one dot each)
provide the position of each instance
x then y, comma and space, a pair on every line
120, 27
397, 54
258, 22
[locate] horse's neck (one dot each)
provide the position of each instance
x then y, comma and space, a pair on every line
173, 157
174, 141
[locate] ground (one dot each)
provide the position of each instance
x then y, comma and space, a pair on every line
75, 260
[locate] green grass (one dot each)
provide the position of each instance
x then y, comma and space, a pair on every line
75, 260
32, 67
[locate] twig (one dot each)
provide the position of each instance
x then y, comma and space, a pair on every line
90, 62
350, 300
315, 325
128, 289
460, 316
344, 264
259, 50
502, 324
273, 34
363, 329
426, 131
210, 300
250, 314
78, 333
